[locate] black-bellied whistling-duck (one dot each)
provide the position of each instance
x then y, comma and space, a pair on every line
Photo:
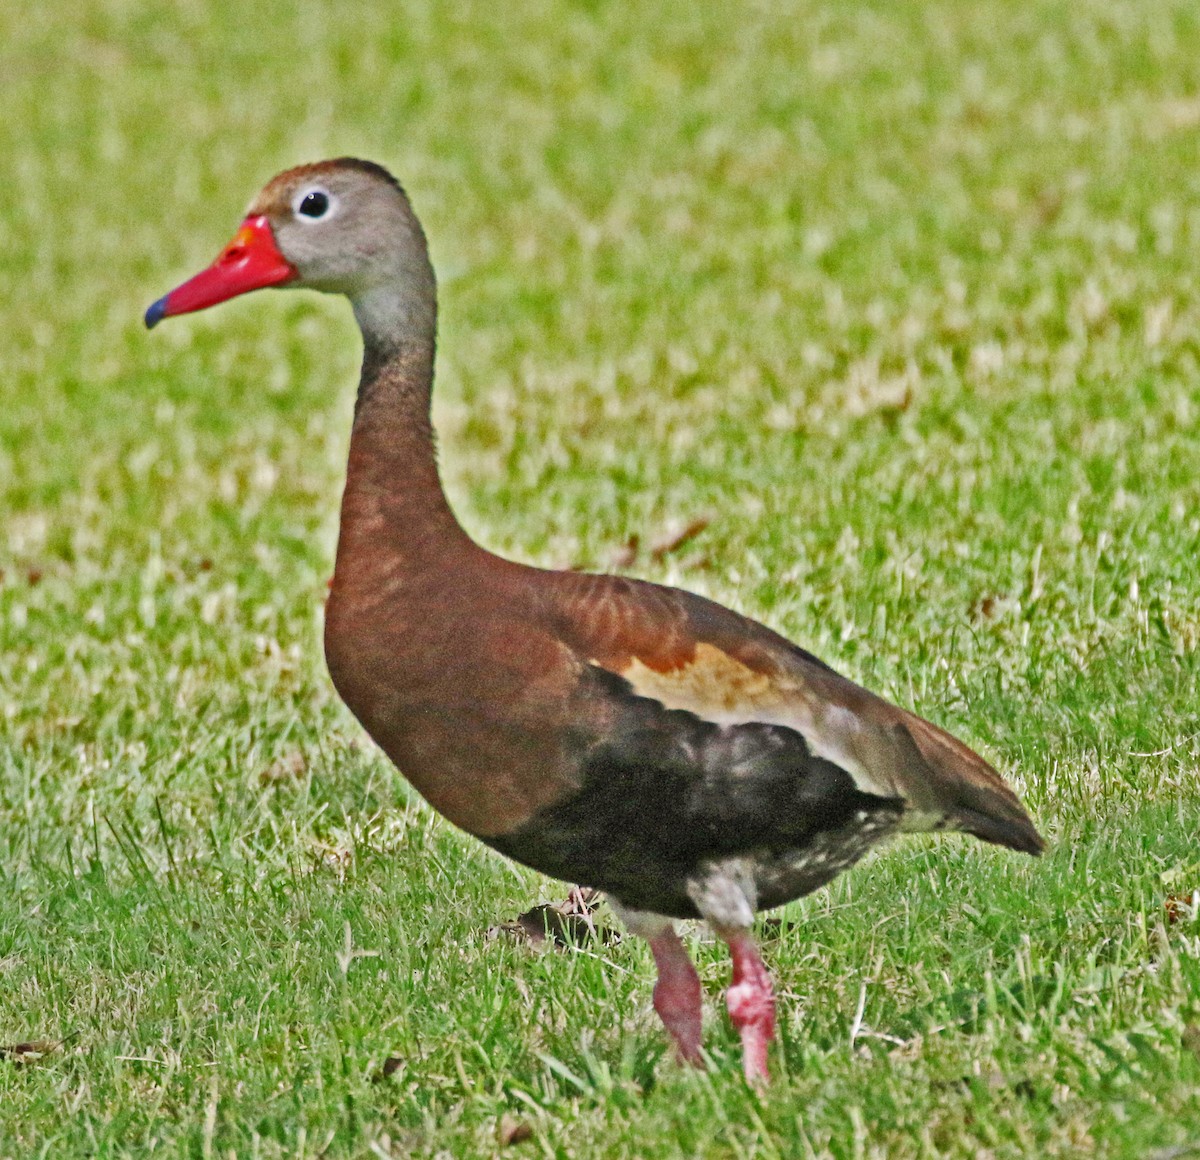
610, 732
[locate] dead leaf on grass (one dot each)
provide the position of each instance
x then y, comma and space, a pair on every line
391, 1065
675, 540
1182, 907
991, 606
31, 1052
626, 554
1191, 1039
513, 1131
561, 924
983, 608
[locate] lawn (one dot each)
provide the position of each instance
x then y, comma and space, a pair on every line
900, 298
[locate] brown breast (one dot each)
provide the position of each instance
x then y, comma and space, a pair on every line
461, 684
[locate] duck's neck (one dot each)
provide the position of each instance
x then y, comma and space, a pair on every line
396, 522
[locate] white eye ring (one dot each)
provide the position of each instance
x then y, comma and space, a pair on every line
314, 204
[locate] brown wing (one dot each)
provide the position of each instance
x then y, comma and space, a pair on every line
690, 653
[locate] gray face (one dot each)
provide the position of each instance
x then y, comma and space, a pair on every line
346, 229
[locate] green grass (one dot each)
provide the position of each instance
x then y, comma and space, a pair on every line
903, 296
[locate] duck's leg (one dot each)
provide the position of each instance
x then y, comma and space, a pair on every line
725, 896
751, 1002
677, 996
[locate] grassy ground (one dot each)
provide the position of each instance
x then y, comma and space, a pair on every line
902, 296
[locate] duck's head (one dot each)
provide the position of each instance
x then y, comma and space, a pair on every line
342, 226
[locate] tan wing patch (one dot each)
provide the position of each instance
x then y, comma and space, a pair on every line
722, 689
711, 682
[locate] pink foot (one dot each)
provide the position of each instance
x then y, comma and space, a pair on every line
751, 1004
677, 995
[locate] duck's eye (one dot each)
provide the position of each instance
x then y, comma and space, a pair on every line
314, 204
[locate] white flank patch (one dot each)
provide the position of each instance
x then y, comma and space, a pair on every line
726, 894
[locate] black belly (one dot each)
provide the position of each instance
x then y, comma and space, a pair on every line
663, 794
647, 869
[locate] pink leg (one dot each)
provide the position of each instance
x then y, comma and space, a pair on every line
677, 994
751, 1003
